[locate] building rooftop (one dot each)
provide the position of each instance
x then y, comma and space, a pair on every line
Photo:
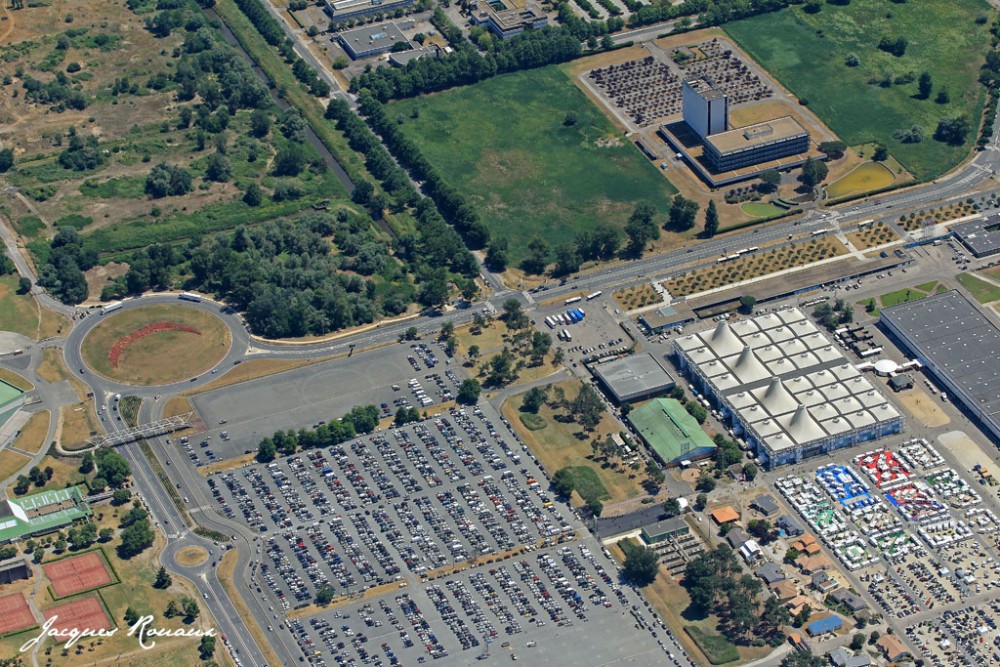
634, 376
784, 378
47, 510
372, 36
766, 504
660, 529
725, 514
758, 134
981, 237
963, 345
706, 88
824, 625
672, 433
894, 648
771, 573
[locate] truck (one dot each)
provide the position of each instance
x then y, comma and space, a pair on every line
111, 307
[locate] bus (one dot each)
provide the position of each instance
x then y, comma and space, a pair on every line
189, 296
591, 297
865, 223
820, 232
111, 307
567, 335
551, 322
575, 299
752, 249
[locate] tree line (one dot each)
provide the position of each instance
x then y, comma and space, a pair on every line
360, 420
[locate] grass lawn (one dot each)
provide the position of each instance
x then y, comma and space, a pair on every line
807, 54
871, 303
557, 445
900, 296
587, 483
927, 287
981, 291
15, 380
162, 357
32, 435
716, 648
869, 176
20, 313
11, 463
533, 422
522, 167
758, 210
491, 340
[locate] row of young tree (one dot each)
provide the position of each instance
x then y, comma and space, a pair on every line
360, 420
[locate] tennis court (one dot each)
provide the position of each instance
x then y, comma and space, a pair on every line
76, 574
80, 615
14, 614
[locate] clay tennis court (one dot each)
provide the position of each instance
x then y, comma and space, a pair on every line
76, 574
80, 614
14, 614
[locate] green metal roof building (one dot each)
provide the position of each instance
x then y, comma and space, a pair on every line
41, 512
672, 433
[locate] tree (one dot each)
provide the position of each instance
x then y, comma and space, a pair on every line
38, 555
769, 181
473, 352
896, 47
163, 579
813, 172
434, 289
942, 97
697, 411
705, 483
7, 552
206, 649
640, 229
107, 534
953, 130
567, 260
120, 497
136, 538
587, 407
468, 392
290, 160
253, 196
570, 119
595, 506
711, 220
172, 609
167, 180
802, 617
538, 256
803, 659
324, 595
113, 467
6, 160
852, 60
641, 564
498, 254
858, 641
190, 609
260, 123
682, 213
533, 399
747, 304
874, 637
791, 554
700, 502
924, 85
672, 508
87, 463
761, 529
500, 369
23, 285
881, 153
131, 616
833, 149
266, 451
218, 169
912, 136
750, 471
22, 485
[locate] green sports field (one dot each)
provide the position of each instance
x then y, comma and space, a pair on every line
807, 53
505, 145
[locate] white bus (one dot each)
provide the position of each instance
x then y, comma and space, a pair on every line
820, 232
574, 299
549, 321
111, 307
189, 296
591, 297
567, 335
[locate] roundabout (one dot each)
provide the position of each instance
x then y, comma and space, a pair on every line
191, 556
154, 345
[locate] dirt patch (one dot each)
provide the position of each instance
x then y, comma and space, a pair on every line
690, 475
32, 435
923, 408
168, 356
15, 380
228, 464
192, 556
103, 274
968, 452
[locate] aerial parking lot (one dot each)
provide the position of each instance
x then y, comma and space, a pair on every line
455, 503
414, 373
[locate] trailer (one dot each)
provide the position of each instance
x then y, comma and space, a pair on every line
111, 307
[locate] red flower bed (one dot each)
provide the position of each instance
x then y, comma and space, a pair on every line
155, 327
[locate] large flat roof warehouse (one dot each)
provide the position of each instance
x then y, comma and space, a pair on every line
981, 237
758, 134
41, 512
959, 344
635, 377
670, 431
371, 39
789, 391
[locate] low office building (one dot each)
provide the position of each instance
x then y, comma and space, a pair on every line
342, 10
15, 570
981, 237
755, 144
663, 530
824, 625
633, 378
674, 435
958, 345
404, 58
504, 19
371, 40
785, 387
